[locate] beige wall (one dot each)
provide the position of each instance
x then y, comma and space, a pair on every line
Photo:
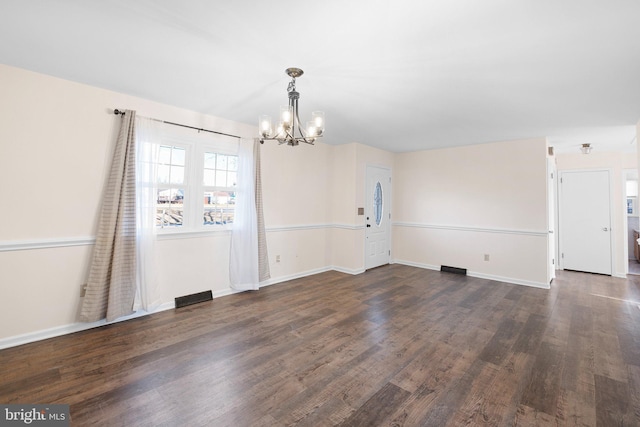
453, 206
616, 162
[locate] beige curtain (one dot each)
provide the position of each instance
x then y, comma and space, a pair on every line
111, 287
263, 256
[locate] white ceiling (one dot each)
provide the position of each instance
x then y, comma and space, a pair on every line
400, 75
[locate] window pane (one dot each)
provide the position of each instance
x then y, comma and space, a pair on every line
209, 177
221, 178
169, 207
178, 156
222, 162
232, 163
164, 156
218, 208
377, 203
210, 160
163, 174
231, 179
177, 174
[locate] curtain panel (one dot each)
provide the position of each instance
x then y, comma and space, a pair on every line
111, 286
148, 137
249, 260
122, 275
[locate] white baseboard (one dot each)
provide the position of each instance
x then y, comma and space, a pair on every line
353, 271
511, 280
71, 328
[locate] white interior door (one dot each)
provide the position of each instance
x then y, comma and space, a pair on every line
585, 221
378, 215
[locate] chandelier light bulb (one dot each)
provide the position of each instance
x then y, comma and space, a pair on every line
318, 120
265, 126
285, 114
312, 130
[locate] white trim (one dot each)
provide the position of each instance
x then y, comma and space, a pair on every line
23, 245
175, 235
71, 328
471, 229
277, 228
348, 226
353, 271
511, 280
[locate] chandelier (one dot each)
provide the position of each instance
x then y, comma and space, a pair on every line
289, 130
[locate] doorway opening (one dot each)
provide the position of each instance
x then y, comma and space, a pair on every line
633, 220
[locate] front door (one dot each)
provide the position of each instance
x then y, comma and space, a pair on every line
378, 216
585, 221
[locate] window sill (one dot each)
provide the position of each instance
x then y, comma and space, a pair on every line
192, 234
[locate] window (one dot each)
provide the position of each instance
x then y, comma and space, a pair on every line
171, 186
377, 203
219, 179
196, 185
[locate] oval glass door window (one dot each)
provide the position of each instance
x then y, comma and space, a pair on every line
377, 203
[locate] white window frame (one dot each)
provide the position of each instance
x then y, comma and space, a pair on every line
194, 188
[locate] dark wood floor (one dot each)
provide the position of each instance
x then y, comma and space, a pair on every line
395, 346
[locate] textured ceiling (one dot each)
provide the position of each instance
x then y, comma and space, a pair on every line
399, 75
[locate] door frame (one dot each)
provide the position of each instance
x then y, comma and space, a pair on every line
611, 211
389, 197
552, 218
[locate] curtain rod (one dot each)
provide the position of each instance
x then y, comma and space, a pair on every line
121, 113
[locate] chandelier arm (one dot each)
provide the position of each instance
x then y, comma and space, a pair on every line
301, 132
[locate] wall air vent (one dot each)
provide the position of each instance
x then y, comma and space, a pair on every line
193, 299
454, 270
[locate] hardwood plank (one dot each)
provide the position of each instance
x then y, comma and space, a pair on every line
576, 408
612, 402
378, 407
504, 393
500, 344
531, 334
542, 391
634, 392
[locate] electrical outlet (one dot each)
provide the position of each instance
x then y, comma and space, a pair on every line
486, 257
277, 258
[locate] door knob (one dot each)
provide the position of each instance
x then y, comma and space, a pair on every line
605, 229
368, 225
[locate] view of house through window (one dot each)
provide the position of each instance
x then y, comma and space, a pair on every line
220, 172
171, 186
205, 192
